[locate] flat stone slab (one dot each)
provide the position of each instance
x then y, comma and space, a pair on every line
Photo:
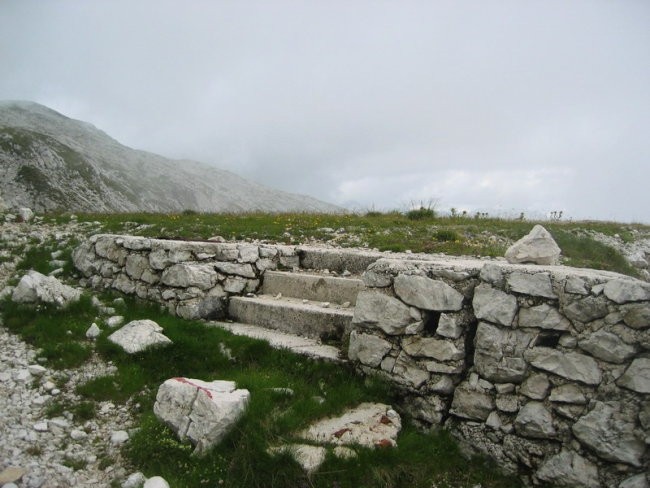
280, 340
368, 425
139, 335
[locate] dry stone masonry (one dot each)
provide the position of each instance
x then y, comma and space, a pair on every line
544, 368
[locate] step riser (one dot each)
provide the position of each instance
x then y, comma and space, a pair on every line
306, 323
312, 287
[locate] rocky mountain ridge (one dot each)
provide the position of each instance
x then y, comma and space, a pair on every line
52, 162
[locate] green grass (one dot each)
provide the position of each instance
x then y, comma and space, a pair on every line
241, 460
391, 231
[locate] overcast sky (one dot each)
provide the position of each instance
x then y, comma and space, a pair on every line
498, 106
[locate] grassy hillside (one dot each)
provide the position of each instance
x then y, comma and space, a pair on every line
393, 231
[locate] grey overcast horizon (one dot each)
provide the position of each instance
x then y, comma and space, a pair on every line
494, 106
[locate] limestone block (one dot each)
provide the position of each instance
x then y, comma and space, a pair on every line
308, 457
535, 387
637, 481
430, 409
538, 247
568, 468
543, 317
637, 376
449, 326
471, 404
499, 353
374, 309
368, 349
569, 365
239, 269
606, 433
409, 372
204, 412
376, 279
264, 264
106, 247
440, 350
268, 252
507, 403
575, 285
139, 335
494, 305
149, 276
85, 259
538, 284
568, 394
636, 315
184, 275
35, 287
427, 294
627, 290
136, 243
248, 253
586, 309
607, 346
136, 265
124, 284
235, 284
535, 421
492, 273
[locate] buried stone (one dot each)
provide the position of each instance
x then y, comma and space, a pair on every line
139, 335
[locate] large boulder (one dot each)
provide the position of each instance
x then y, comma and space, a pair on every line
538, 247
139, 335
35, 287
201, 411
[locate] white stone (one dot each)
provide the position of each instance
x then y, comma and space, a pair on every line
499, 354
441, 350
93, 331
538, 284
538, 247
637, 481
310, 458
535, 421
156, 482
368, 425
115, 321
543, 317
609, 436
607, 346
368, 349
36, 370
569, 365
374, 309
202, 411
536, 387
427, 294
138, 335
135, 480
637, 376
184, 275
25, 214
471, 404
78, 435
41, 426
119, 437
449, 326
569, 469
627, 290
35, 287
494, 305
568, 394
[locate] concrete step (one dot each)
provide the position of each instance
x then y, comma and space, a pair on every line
281, 340
313, 287
292, 315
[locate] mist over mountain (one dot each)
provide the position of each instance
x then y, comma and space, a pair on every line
50, 162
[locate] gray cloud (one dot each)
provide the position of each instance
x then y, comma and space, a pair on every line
502, 106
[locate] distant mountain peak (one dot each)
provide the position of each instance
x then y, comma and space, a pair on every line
52, 162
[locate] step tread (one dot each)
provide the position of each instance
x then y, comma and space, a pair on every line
312, 286
282, 340
297, 304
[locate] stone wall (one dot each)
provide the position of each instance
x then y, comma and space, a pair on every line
193, 279
546, 369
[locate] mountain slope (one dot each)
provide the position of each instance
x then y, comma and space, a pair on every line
51, 162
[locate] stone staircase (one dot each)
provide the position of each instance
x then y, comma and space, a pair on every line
299, 311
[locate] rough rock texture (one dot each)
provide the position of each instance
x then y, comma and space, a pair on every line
538, 247
368, 425
569, 469
427, 294
378, 310
201, 411
139, 335
35, 287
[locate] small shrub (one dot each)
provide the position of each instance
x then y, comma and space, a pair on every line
422, 213
446, 235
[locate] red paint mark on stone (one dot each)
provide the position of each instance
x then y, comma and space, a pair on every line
385, 420
188, 382
339, 433
384, 443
